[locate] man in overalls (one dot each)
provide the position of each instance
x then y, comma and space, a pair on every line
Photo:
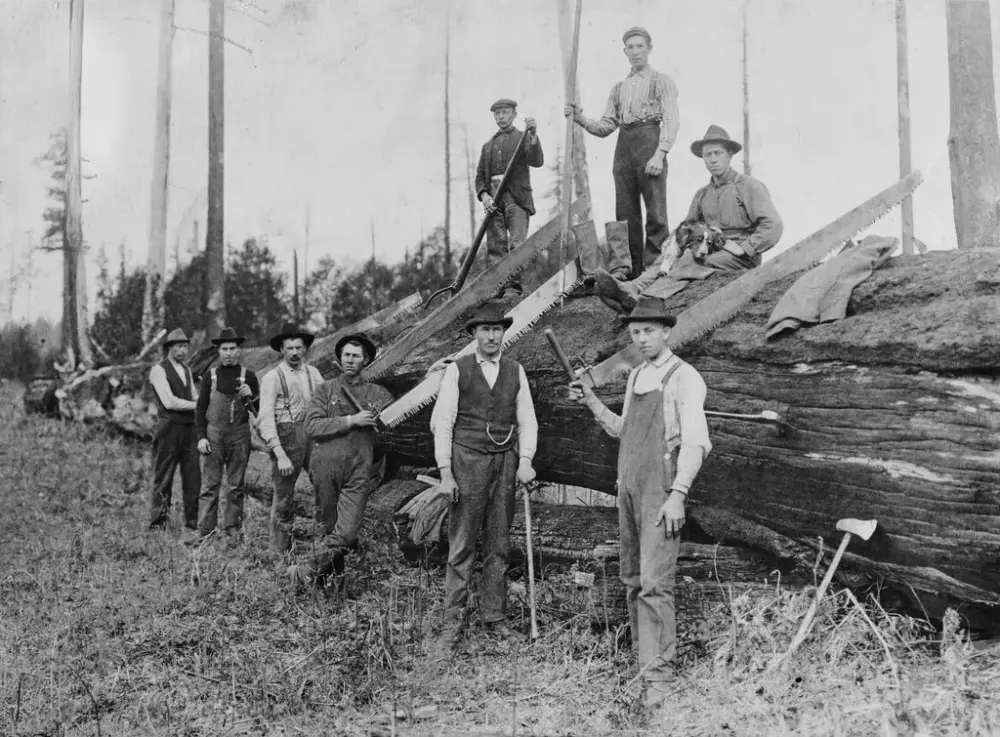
222, 418
285, 392
664, 440
344, 450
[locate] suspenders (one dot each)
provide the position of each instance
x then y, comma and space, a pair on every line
284, 389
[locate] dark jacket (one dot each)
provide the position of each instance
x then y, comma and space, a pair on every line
493, 160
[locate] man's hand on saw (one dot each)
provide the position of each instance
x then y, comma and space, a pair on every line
525, 472
581, 393
487, 201
448, 488
365, 418
440, 365
671, 515
246, 391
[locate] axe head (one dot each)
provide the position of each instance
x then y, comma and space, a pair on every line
863, 528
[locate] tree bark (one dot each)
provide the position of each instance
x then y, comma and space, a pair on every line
215, 236
74, 276
973, 143
903, 105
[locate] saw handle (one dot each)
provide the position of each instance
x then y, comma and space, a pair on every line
557, 349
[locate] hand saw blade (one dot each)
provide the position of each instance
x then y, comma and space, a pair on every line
525, 314
724, 304
476, 292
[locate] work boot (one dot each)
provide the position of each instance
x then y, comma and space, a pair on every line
503, 631
616, 294
619, 258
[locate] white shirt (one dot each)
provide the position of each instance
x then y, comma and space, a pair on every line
158, 378
272, 411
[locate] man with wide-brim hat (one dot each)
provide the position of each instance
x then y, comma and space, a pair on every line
345, 445
512, 209
663, 441
222, 418
174, 439
285, 392
485, 435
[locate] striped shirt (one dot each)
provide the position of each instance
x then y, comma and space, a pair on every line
641, 96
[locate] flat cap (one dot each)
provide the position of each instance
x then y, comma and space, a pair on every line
503, 102
637, 31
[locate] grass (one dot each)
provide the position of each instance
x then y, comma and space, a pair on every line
106, 629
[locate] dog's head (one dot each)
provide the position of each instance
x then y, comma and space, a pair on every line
699, 238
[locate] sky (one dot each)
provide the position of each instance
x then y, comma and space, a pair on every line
334, 111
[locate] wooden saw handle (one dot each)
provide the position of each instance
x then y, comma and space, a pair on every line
557, 349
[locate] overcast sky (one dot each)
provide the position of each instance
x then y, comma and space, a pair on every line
336, 106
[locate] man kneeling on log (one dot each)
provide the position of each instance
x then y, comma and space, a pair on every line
485, 435
664, 440
737, 204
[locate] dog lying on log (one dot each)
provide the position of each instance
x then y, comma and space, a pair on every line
691, 235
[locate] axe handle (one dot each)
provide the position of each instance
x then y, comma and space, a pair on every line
557, 349
351, 399
531, 564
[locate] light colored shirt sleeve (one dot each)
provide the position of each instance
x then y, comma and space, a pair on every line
443, 416
608, 123
765, 220
611, 422
158, 378
268, 398
527, 423
671, 123
695, 444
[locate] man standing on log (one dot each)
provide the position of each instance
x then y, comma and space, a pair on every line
222, 418
485, 434
509, 226
344, 451
285, 392
664, 440
174, 436
644, 107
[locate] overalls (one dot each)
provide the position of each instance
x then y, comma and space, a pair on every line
296, 445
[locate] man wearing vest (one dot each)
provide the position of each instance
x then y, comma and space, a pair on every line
285, 392
222, 419
485, 434
664, 440
344, 451
174, 436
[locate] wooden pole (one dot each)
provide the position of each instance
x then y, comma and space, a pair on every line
214, 241
447, 151
156, 258
746, 98
74, 197
567, 174
470, 176
581, 176
296, 305
903, 106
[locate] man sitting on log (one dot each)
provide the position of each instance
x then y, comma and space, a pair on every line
485, 435
285, 392
739, 205
222, 418
174, 438
664, 440
344, 450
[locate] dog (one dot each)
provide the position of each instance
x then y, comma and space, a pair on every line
695, 236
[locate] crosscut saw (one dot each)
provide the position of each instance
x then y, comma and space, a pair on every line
478, 291
723, 305
525, 314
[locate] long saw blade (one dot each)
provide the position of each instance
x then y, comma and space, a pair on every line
525, 314
476, 292
723, 305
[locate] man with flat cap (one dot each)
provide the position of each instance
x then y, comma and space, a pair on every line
174, 441
515, 205
222, 418
285, 392
643, 107
345, 444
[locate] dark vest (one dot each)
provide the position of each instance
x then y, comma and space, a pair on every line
487, 418
176, 383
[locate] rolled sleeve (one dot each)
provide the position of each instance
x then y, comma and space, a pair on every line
268, 398
607, 123
767, 224
170, 401
607, 419
695, 444
671, 124
443, 416
527, 423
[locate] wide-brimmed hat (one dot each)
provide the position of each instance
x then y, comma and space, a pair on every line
488, 315
503, 102
651, 309
361, 338
228, 335
291, 330
176, 336
715, 134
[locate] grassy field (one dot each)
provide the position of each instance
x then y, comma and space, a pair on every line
107, 629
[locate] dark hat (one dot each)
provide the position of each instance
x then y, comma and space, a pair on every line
715, 134
228, 335
651, 309
176, 336
361, 338
291, 330
503, 102
488, 315
637, 31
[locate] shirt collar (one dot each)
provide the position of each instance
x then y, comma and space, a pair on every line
646, 71
662, 359
727, 178
480, 358
293, 370
510, 129
180, 368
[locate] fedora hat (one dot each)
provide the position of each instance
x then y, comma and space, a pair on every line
228, 335
488, 315
176, 336
369, 346
651, 309
291, 330
715, 134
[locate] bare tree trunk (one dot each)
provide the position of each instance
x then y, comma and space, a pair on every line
470, 176
746, 98
903, 104
296, 306
214, 241
973, 142
447, 151
581, 175
75, 299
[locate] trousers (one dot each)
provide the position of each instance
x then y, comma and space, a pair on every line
229, 457
296, 446
508, 227
174, 444
633, 186
341, 471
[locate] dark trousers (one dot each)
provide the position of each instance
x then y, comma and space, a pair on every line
230, 455
296, 445
174, 444
341, 471
635, 148
507, 230
486, 484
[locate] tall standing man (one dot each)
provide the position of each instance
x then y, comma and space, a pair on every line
222, 418
285, 392
664, 440
514, 207
174, 436
644, 107
485, 435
